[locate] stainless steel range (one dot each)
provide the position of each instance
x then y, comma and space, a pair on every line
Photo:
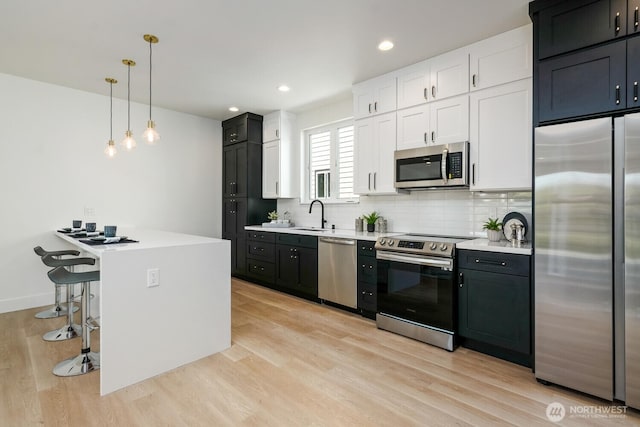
416, 287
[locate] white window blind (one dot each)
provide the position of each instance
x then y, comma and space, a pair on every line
330, 162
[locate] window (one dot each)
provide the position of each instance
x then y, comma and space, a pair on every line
330, 163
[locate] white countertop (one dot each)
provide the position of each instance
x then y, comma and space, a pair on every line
147, 239
344, 233
502, 246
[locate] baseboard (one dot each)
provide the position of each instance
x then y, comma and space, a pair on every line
23, 303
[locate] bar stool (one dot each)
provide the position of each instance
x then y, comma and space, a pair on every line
87, 360
70, 330
58, 310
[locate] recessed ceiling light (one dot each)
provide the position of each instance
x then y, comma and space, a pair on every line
284, 88
233, 109
385, 45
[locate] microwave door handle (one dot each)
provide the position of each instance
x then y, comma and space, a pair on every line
443, 165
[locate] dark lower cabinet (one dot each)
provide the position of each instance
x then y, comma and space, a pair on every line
261, 257
297, 264
367, 279
494, 304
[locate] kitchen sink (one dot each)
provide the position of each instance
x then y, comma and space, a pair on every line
310, 229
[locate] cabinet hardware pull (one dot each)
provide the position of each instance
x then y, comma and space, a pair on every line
277, 133
433, 91
617, 94
369, 108
617, 22
363, 265
473, 80
375, 106
369, 183
461, 277
425, 89
433, 136
364, 293
374, 180
276, 188
635, 91
473, 174
635, 19
425, 137
491, 262
370, 294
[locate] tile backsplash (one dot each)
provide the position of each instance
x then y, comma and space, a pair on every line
441, 212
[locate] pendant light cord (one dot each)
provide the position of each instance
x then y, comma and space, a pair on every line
129, 97
111, 112
150, 62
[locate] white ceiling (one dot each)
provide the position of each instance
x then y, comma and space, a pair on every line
216, 53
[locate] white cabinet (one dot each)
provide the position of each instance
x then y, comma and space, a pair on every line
375, 142
280, 157
501, 59
449, 74
500, 137
376, 96
441, 122
437, 78
449, 120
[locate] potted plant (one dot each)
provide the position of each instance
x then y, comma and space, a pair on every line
493, 227
371, 220
273, 216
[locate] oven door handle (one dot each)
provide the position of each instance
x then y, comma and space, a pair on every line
443, 263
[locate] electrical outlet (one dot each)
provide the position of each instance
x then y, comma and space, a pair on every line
153, 277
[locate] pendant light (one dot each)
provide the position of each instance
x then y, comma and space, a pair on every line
150, 135
128, 142
111, 146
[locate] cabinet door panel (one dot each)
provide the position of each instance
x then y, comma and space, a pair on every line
450, 120
230, 217
413, 127
633, 17
271, 127
235, 170
364, 152
385, 134
578, 23
270, 169
500, 137
449, 74
286, 266
413, 84
385, 95
586, 82
633, 71
495, 308
308, 271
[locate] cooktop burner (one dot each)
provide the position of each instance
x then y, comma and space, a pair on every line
420, 244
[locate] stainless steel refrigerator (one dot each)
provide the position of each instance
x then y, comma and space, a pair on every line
587, 256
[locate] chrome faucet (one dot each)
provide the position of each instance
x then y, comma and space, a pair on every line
322, 213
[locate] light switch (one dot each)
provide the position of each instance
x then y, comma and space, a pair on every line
153, 277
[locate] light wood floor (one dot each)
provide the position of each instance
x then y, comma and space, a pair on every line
292, 363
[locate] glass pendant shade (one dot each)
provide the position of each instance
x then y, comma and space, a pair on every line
111, 148
151, 135
128, 142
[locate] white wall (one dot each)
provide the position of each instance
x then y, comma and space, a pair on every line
52, 168
443, 212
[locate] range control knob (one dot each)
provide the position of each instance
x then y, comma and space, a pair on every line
382, 242
443, 247
391, 242
433, 246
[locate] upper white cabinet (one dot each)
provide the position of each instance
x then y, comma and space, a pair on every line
500, 137
449, 74
280, 157
440, 122
375, 96
375, 143
501, 59
437, 78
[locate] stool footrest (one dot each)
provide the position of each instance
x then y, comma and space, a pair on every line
78, 365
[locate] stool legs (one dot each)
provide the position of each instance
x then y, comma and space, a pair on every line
68, 331
58, 310
87, 360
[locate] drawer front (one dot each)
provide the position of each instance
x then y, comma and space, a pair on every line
494, 262
367, 297
261, 236
367, 270
366, 248
261, 250
261, 270
297, 240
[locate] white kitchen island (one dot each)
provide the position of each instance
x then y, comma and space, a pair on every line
145, 331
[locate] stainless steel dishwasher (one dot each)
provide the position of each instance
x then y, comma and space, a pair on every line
337, 274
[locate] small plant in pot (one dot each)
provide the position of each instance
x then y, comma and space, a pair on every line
493, 227
273, 216
371, 220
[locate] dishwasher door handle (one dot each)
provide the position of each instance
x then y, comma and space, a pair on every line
337, 241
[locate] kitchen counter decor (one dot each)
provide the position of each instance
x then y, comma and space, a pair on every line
493, 227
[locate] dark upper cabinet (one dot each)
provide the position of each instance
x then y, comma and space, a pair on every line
245, 127
242, 170
633, 71
574, 24
585, 82
633, 17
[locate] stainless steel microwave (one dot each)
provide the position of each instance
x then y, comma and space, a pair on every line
445, 165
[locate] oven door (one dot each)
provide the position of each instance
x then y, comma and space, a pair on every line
417, 288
